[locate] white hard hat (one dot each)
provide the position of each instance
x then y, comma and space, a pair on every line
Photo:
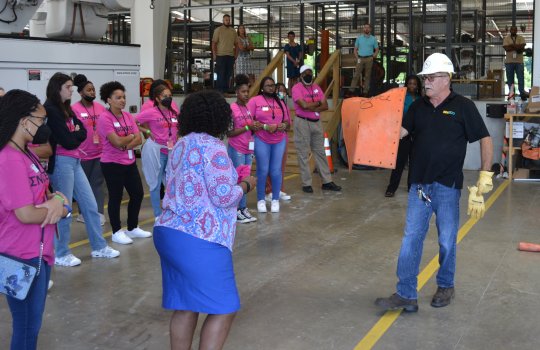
437, 62
304, 68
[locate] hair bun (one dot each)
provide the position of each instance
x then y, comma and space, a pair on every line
80, 81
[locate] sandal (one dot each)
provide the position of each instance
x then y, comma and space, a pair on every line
389, 194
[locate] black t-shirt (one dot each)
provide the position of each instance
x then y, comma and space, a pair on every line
440, 135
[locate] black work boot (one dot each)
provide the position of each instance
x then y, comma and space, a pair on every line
442, 297
396, 302
307, 189
330, 186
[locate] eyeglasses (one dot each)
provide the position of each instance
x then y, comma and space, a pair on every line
270, 85
431, 78
44, 118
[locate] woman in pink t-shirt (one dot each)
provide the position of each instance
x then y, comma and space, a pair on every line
67, 175
88, 112
270, 141
151, 95
241, 142
120, 136
160, 124
28, 211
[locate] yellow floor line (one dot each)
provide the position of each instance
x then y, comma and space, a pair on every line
151, 220
389, 317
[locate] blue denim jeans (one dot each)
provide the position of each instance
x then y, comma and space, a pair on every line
240, 159
519, 70
69, 178
155, 197
269, 158
27, 314
445, 205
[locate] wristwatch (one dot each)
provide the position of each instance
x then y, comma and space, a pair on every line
69, 210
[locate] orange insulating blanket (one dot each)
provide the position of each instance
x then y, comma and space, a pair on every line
529, 247
371, 128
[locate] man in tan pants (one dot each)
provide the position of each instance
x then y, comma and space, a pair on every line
366, 49
309, 102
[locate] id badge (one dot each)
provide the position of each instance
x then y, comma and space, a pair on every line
96, 139
514, 55
251, 145
265, 109
317, 114
170, 145
130, 154
116, 124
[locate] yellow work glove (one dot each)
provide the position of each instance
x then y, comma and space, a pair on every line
476, 203
485, 183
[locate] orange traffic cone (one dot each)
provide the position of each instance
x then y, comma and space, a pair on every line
529, 247
328, 153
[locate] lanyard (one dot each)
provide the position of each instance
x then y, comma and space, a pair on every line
246, 116
125, 128
93, 116
169, 123
273, 104
310, 90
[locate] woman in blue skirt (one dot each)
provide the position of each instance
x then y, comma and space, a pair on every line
195, 233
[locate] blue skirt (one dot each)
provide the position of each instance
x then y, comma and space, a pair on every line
197, 275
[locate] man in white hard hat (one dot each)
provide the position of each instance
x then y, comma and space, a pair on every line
441, 124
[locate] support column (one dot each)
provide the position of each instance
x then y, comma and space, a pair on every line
149, 29
536, 47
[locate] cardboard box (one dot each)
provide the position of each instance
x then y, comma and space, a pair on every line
534, 100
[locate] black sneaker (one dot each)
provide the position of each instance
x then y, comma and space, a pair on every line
396, 302
442, 297
331, 187
307, 189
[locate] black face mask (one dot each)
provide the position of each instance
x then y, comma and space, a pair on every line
42, 134
167, 102
307, 79
268, 94
89, 98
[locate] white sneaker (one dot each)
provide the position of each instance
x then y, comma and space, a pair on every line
137, 232
261, 206
51, 283
120, 237
106, 252
69, 260
101, 219
240, 217
274, 208
284, 196
248, 215
80, 218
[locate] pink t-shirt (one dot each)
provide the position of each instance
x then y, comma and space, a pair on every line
61, 151
266, 110
91, 147
22, 183
149, 104
108, 124
241, 118
163, 125
311, 93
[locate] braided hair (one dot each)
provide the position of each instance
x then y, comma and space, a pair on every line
274, 95
205, 111
53, 94
15, 105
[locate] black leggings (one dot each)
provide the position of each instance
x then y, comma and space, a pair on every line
118, 176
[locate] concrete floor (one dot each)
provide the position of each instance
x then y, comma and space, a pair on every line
308, 277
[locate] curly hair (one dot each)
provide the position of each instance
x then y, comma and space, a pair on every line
239, 80
80, 81
15, 105
106, 90
53, 93
205, 112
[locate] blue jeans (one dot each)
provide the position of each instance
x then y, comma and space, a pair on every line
27, 314
519, 69
269, 158
155, 197
69, 178
445, 205
240, 159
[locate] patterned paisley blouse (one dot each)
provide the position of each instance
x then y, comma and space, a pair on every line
202, 192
